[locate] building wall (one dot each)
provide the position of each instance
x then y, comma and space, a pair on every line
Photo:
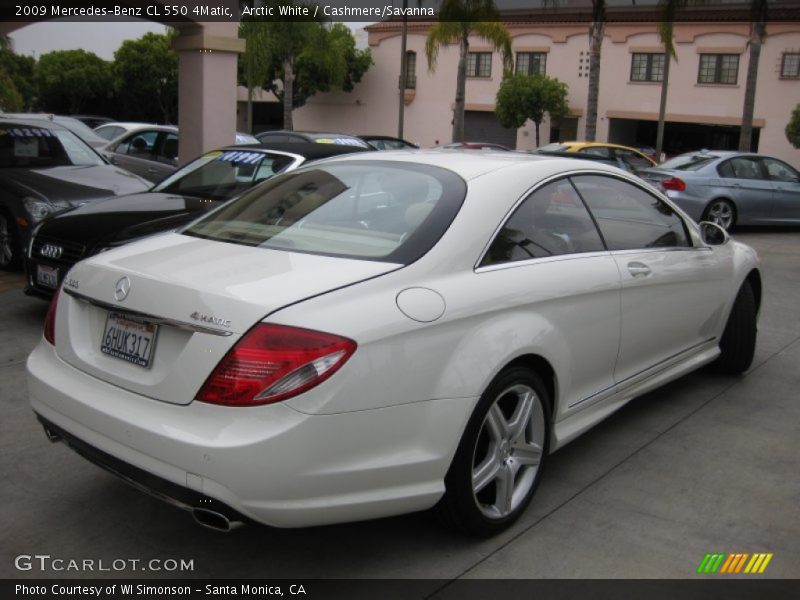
373, 106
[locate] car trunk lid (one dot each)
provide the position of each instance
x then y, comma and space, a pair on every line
202, 295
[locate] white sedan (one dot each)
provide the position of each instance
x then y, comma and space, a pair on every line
385, 333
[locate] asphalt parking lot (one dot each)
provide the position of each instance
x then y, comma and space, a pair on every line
706, 464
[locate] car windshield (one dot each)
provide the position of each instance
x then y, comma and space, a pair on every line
38, 147
688, 162
224, 174
554, 148
373, 210
338, 139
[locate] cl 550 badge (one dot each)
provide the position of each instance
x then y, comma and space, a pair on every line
210, 319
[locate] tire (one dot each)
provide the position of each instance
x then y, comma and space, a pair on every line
722, 212
10, 248
500, 458
738, 343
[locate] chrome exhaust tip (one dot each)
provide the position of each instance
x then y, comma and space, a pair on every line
51, 435
214, 520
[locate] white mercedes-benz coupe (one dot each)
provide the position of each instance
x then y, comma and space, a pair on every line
386, 333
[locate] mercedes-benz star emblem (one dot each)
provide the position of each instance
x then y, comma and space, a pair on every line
122, 288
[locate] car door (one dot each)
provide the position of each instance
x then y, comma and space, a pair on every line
673, 293
548, 264
136, 153
786, 190
746, 182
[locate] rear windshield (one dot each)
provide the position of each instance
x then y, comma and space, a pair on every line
372, 210
223, 174
38, 147
688, 162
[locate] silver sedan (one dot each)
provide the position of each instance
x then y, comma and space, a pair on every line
730, 188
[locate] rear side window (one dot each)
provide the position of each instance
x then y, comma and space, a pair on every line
550, 222
373, 210
628, 217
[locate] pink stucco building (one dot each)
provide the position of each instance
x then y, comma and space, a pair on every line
704, 107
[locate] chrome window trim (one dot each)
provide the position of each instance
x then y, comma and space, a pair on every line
641, 184
141, 317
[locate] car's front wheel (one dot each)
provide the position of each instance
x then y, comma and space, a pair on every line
738, 343
722, 212
500, 457
10, 250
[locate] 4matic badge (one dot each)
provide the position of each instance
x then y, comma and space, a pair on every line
210, 319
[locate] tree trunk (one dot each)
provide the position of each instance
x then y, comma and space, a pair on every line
537, 123
461, 85
595, 44
288, 93
662, 109
403, 73
249, 107
757, 33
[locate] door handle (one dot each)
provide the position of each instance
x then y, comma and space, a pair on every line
638, 269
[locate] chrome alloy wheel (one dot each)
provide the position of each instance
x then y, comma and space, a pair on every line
721, 213
508, 451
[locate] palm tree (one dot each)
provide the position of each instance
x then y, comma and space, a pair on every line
458, 20
596, 31
255, 67
758, 31
665, 31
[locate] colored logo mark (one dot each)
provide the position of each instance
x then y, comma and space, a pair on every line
734, 563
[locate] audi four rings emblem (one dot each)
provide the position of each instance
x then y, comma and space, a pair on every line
51, 251
122, 288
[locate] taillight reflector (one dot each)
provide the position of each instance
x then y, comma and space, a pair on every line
274, 362
673, 183
50, 319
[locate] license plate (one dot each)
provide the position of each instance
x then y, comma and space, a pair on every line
47, 276
128, 340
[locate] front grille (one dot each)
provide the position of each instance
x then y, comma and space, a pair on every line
45, 247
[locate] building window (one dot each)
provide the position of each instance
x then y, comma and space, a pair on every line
479, 64
790, 65
647, 67
718, 68
530, 63
411, 70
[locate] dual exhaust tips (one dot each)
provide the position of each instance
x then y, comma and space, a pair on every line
210, 519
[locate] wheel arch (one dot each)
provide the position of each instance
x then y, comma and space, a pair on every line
754, 279
542, 367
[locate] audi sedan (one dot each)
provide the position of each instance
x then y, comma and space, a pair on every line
44, 170
384, 333
58, 243
731, 188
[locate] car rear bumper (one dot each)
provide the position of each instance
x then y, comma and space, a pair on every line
271, 464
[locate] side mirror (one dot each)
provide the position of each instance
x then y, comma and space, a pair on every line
713, 234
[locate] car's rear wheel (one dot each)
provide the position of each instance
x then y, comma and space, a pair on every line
738, 343
499, 461
10, 250
722, 212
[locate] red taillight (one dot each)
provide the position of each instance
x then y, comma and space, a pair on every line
50, 319
673, 183
275, 362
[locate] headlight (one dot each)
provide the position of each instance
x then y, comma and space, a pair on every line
39, 209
